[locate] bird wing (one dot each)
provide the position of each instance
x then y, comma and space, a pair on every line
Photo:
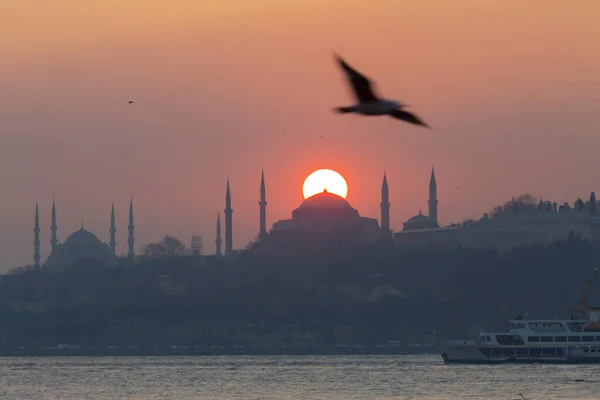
360, 83
408, 117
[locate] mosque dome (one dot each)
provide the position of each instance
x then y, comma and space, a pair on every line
420, 221
82, 238
324, 205
419, 218
325, 200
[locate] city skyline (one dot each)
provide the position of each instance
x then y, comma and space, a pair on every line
220, 92
264, 225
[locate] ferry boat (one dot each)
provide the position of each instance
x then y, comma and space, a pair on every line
574, 340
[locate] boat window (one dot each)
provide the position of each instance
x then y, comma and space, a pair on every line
574, 338
482, 338
597, 338
488, 338
587, 338
560, 338
509, 340
533, 339
585, 350
547, 338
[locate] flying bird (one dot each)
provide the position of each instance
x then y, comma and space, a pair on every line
369, 103
130, 101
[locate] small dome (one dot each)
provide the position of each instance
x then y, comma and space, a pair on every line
417, 218
325, 200
82, 238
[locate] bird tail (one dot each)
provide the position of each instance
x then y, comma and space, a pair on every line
343, 110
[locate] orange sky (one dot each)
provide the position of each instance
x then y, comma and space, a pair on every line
511, 88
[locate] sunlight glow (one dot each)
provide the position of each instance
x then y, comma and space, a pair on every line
323, 179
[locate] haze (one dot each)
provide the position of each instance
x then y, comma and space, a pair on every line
511, 88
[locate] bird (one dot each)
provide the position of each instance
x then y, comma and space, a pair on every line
368, 103
130, 101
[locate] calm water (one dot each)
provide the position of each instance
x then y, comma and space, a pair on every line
285, 377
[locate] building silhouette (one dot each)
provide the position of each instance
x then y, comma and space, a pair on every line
228, 222
263, 208
81, 244
385, 207
218, 251
430, 221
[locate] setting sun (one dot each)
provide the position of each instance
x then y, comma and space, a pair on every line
324, 179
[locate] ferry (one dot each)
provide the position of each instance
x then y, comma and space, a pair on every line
574, 340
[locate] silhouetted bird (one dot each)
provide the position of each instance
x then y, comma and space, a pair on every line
130, 101
369, 103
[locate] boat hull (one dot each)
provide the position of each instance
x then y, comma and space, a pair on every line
469, 352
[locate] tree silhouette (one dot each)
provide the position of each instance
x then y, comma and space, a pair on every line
168, 247
523, 204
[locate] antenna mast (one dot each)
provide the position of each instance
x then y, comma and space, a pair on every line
582, 308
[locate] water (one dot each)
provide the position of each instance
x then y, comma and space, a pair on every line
287, 377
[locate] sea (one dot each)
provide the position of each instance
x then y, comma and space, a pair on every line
288, 377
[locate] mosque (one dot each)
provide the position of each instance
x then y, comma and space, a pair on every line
325, 215
317, 216
430, 221
81, 244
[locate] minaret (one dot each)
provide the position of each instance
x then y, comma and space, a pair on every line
228, 224
130, 227
433, 202
36, 238
113, 230
53, 229
385, 207
218, 240
263, 207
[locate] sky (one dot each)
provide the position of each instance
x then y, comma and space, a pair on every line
224, 88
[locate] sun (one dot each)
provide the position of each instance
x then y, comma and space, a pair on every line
324, 179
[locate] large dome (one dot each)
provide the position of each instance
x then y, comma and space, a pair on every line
325, 200
324, 205
82, 238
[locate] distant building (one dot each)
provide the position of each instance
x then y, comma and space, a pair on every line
548, 223
228, 222
321, 216
81, 245
421, 221
196, 245
330, 214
